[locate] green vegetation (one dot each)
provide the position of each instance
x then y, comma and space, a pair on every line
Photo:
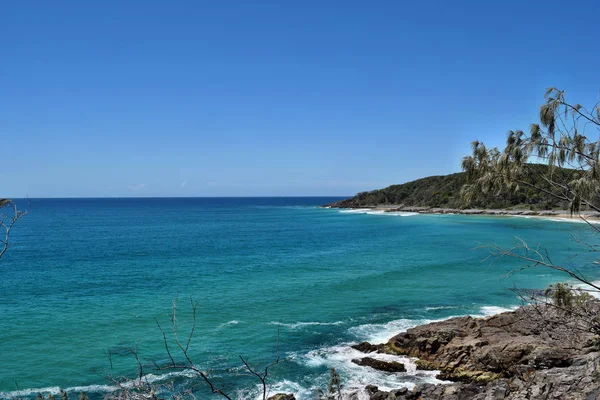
445, 192
564, 295
561, 140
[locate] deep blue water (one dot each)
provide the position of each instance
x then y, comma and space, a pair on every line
88, 277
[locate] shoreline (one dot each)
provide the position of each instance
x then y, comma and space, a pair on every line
564, 215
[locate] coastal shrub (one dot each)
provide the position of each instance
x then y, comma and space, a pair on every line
565, 296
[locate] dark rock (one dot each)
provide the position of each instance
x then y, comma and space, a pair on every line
282, 396
365, 347
387, 366
370, 389
379, 396
399, 392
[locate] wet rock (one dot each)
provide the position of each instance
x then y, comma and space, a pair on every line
399, 392
366, 347
387, 366
282, 396
371, 389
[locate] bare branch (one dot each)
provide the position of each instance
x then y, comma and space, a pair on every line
7, 222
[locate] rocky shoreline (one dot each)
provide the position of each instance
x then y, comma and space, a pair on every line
534, 352
529, 353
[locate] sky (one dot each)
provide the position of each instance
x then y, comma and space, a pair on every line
273, 98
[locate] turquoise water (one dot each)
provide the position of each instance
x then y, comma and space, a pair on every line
89, 276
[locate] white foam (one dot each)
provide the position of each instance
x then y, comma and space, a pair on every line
369, 211
55, 390
381, 333
587, 289
284, 386
402, 213
355, 377
441, 308
488, 311
573, 220
228, 323
298, 325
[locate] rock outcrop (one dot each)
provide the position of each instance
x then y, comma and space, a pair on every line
531, 353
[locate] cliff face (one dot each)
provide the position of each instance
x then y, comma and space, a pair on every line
525, 354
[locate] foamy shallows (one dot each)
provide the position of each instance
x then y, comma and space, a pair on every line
98, 389
574, 220
355, 377
369, 211
381, 333
488, 311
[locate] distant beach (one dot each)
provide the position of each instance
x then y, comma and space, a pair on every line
555, 215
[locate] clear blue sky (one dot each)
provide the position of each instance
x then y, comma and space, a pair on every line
245, 98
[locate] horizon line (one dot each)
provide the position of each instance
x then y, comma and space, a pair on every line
171, 197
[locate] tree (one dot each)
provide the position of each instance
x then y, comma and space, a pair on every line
563, 141
7, 220
567, 140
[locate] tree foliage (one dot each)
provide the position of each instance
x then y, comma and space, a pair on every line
566, 140
445, 192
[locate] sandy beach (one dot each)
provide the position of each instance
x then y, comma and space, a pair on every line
582, 217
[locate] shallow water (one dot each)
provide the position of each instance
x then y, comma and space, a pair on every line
89, 276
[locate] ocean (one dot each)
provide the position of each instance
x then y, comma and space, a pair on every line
88, 279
